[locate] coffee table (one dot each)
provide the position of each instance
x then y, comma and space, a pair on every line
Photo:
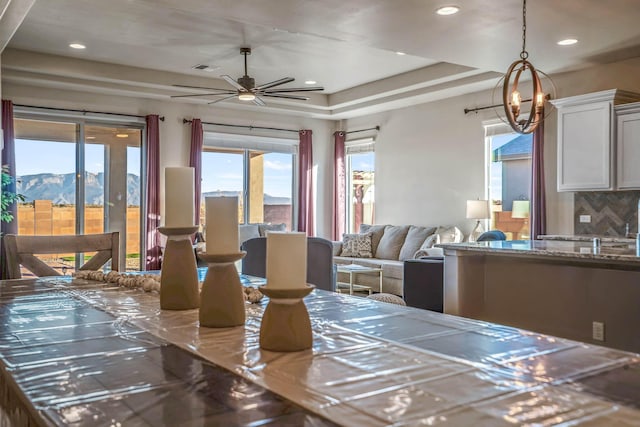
353, 270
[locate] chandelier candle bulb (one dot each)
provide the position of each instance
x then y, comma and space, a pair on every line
221, 234
286, 260
179, 195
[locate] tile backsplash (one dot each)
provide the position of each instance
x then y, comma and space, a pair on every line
610, 212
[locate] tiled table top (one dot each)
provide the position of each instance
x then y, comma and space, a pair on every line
87, 353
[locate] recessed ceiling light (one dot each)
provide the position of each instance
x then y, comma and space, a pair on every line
400, 53
310, 82
90, 137
448, 10
567, 42
77, 46
122, 135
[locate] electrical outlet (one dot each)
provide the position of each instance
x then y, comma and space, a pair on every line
598, 331
585, 218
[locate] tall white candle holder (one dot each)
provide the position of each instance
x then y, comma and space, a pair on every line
285, 323
179, 274
222, 299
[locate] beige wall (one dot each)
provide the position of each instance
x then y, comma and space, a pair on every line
429, 158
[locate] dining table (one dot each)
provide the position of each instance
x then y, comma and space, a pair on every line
79, 352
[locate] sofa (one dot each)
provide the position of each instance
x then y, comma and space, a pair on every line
387, 247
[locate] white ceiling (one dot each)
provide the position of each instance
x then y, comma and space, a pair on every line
347, 46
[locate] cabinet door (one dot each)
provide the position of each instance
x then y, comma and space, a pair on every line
584, 147
629, 151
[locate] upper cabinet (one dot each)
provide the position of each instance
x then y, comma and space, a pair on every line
628, 146
587, 140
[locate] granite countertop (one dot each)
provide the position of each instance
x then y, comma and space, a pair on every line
609, 252
589, 238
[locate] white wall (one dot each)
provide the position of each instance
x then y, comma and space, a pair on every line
429, 158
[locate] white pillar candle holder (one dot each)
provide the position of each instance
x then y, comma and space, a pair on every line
179, 273
222, 298
285, 323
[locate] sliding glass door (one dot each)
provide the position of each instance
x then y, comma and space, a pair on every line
79, 178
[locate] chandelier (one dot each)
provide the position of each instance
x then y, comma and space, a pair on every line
512, 100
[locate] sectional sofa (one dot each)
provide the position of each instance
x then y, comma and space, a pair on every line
387, 247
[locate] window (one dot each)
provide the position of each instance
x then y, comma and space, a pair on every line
79, 177
260, 171
509, 172
360, 163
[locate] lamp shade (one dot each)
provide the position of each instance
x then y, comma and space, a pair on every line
520, 209
478, 209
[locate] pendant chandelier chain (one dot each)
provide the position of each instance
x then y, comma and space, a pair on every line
524, 54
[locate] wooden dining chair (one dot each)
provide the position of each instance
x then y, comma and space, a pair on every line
21, 251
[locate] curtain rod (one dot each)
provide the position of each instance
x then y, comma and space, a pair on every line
242, 126
475, 110
84, 111
363, 130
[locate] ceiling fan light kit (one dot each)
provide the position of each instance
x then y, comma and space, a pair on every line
245, 88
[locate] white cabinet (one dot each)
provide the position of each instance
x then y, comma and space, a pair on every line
628, 145
587, 140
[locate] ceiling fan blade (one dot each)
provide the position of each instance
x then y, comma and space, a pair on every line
223, 99
294, 89
275, 83
200, 87
226, 92
259, 102
234, 83
275, 95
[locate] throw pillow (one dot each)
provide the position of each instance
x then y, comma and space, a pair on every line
392, 241
271, 227
429, 252
376, 234
450, 234
415, 237
356, 245
247, 231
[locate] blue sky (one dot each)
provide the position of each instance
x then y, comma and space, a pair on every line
33, 157
220, 171
223, 171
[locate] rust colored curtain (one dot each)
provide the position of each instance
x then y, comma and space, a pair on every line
538, 199
195, 161
305, 189
339, 186
8, 160
152, 221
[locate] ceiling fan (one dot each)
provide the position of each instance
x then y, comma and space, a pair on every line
246, 90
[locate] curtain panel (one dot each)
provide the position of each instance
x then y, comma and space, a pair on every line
8, 160
195, 161
538, 196
339, 186
152, 194
305, 188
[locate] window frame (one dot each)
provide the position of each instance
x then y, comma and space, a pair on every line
81, 120
218, 141
353, 147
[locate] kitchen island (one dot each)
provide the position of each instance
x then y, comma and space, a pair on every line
551, 286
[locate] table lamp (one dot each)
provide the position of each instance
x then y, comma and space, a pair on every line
478, 210
520, 209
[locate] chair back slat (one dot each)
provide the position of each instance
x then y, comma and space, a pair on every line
21, 251
36, 266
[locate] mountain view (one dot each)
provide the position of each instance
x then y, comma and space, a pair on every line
61, 189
